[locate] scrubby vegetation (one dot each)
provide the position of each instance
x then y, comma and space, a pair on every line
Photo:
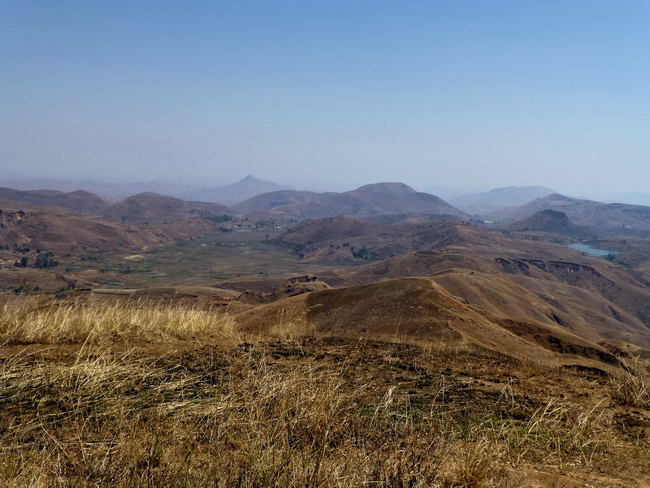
128, 393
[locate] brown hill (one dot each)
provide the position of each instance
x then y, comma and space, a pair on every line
375, 199
346, 238
59, 230
211, 208
420, 308
398, 197
80, 200
579, 292
633, 252
276, 202
337, 204
408, 218
152, 208
307, 205
551, 222
323, 230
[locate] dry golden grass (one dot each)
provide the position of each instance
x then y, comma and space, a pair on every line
288, 411
39, 320
632, 387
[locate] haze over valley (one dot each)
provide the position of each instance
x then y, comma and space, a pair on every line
378, 232
325, 244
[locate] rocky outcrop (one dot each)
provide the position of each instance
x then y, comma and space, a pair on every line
513, 264
563, 270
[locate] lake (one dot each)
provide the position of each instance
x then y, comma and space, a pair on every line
592, 251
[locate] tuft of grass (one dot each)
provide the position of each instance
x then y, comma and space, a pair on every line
632, 387
290, 324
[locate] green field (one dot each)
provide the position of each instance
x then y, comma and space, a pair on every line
203, 261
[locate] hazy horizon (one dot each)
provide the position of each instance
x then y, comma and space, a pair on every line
446, 193
464, 95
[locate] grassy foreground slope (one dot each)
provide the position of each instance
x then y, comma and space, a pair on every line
132, 393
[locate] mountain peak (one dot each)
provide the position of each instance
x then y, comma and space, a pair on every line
246, 188
387, 187
250, 179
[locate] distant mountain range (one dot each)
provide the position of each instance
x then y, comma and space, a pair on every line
379, 200
511, 196
80, 200
227, 195
382, 203
368, 200
606, 218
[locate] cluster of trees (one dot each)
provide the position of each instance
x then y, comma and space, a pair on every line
43, 261
218, 218
362, 253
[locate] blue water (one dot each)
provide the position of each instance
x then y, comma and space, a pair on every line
591, 250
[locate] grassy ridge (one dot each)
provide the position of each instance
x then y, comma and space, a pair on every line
96, 405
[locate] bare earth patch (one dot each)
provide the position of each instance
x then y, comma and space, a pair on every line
134, 257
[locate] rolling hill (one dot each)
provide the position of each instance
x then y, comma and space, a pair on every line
421, 308
153, 208
275, 202
346, 238
551, 222
368, 200
513, 278
80, 200
60, 230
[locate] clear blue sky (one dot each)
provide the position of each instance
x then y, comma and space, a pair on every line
458, 93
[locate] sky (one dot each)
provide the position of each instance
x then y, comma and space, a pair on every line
462, 94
